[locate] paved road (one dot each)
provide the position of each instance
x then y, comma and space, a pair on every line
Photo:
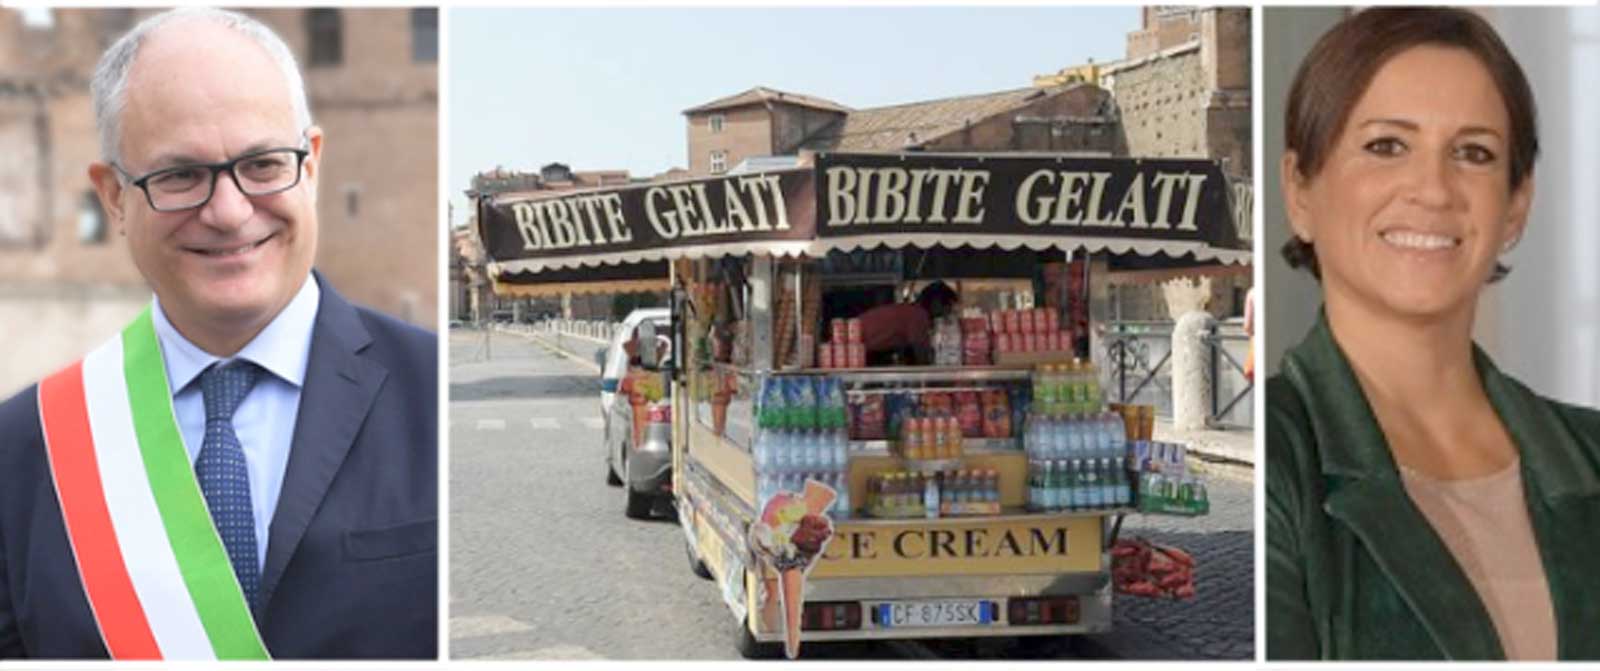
544, 565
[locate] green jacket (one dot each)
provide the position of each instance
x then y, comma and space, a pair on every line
1354, 571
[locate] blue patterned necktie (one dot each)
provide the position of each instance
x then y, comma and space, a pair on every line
223, 474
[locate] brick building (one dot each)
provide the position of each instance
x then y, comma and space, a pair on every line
1183, 89
765, 122
372, 82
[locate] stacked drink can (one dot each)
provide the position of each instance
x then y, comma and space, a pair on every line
802, 434
1077, 461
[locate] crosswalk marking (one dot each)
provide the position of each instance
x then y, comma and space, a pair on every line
491, 425
486, 625
544, 423
594, 422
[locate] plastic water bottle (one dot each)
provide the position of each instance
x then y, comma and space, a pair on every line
761, 451
841, 504
1075, 438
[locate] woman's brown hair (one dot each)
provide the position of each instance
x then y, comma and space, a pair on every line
1342, 64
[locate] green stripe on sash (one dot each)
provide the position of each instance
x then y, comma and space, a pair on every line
202, 560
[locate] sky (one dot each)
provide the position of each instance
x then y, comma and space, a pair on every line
604, 89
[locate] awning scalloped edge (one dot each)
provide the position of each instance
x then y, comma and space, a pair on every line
1142, 247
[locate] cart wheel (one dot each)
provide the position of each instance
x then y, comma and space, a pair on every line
750, 648
696, 566
1054, 646
635, 505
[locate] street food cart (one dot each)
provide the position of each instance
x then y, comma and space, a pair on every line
829, 500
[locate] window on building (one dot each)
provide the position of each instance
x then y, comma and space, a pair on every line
425, 35
719, 162
325, 28
91, 220
716, 122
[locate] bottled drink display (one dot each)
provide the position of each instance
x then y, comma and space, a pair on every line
1077, 452
906, 494
801, 402
802, 434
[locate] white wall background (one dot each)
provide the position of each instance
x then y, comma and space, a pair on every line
1542, 323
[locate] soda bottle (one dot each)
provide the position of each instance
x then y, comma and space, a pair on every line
772, 412
930, 497
991, 488
1092, 383
1061, 490
839, 405
1035, 485
1091, 485
957, 440
1044, 393
803, 409
1080, 485
1108, 483
1047, 485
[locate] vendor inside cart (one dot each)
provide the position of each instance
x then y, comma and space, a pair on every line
902, 332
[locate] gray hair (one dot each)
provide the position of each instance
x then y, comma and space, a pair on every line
109, 87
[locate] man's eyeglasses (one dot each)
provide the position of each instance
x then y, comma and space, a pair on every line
186, 187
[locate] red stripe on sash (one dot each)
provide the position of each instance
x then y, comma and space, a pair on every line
65, 417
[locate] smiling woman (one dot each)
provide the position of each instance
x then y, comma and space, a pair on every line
1420, 503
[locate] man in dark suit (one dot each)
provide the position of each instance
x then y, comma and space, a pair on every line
305, 428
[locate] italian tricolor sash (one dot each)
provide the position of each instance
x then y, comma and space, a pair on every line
153, 567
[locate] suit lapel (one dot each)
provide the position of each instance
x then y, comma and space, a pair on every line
340, 387
1366, 495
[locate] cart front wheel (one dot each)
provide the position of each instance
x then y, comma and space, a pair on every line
695, 565
750, 648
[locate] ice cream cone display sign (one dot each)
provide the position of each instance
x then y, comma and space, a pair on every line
792, 533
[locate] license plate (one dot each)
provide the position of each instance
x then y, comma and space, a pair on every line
934, 613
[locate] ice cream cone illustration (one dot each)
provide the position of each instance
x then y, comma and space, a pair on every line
792, 533
793, 595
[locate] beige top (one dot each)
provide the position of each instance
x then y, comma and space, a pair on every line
1484, 523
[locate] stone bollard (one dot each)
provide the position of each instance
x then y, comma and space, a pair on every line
1191, 370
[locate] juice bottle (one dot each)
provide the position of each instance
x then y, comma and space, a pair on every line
910, 439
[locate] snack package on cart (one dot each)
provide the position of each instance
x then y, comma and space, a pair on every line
1142, 568
792, 533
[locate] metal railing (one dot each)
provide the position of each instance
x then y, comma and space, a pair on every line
593, 329
1135, 358
1231, 392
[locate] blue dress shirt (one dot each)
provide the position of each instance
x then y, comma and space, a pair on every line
265, 420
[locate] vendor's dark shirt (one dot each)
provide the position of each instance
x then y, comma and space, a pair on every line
898, 326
